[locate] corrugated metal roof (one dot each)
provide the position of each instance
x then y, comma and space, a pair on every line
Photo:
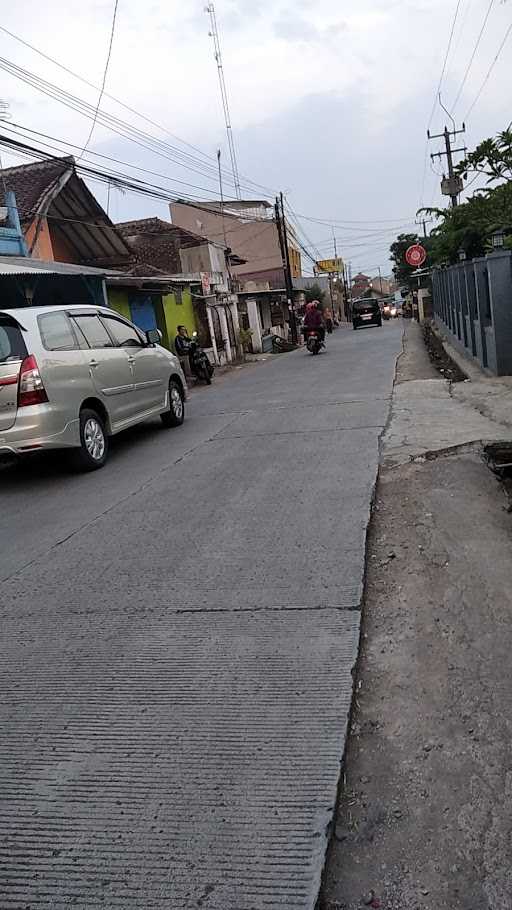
21, 265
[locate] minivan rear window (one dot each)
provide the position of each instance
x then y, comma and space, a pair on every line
56, 332
12, 345
366, 305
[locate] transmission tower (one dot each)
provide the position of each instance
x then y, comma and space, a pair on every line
214, 33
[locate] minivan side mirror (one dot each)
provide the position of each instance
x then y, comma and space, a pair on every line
154, 336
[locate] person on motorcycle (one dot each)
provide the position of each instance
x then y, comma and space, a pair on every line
313, 320
182, 342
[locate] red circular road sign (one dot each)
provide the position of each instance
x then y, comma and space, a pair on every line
416, 255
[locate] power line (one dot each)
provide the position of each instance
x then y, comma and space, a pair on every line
134, 184
23, 130
328, 222
366, 238
447, 54
115, 124
299, 230
489, 71
105, 71
131, 110
436, 96
120, 127
123, 181
477, 44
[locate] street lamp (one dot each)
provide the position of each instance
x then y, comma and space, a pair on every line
462, 255
498, 239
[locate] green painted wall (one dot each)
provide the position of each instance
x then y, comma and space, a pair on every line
169, 313
175, 314
119, 302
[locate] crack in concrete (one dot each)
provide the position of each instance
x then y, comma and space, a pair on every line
377, 426
302, 405
267, 609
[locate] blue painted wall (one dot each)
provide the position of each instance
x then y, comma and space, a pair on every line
12, 241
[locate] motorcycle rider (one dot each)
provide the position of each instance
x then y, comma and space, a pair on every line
182, 341
313, 320
182, 344
193, 359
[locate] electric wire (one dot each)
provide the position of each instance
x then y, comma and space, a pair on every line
115, 124
436, 96
105, 72
210, 160
489, 71
471, 59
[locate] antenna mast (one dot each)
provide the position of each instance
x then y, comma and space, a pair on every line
214, 33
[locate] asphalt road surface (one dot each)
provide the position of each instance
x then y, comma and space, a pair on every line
178, 635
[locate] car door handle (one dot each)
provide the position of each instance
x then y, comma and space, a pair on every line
93, 363
131, 359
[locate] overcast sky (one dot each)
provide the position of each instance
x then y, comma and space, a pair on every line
330, 99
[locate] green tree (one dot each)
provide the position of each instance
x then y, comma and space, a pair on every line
492, 158
470, 226
314, 292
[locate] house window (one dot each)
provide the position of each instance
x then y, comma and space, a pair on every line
178, 295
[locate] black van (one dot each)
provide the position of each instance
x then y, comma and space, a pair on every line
366, 312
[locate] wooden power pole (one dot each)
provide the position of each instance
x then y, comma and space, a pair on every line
285, 255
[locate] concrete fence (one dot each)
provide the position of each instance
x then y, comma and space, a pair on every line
473, 306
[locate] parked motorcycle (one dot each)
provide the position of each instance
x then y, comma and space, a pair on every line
199, 362
314, 341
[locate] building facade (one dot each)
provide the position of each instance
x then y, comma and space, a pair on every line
248, 229
191, 261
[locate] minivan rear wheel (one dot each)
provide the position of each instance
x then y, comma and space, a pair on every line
93, 451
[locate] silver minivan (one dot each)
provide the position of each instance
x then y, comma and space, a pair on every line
72, 376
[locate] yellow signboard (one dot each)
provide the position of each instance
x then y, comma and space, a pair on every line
330, 265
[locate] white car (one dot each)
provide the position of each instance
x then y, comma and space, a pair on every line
72, 376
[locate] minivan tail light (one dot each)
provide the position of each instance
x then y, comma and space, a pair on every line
31, 388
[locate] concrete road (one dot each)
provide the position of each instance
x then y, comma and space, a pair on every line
178, 632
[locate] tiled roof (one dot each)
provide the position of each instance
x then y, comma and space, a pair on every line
159, 226
31, 183
156, 244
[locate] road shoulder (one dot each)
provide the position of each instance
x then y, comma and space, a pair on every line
423, 818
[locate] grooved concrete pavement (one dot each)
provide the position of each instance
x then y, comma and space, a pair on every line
179, 632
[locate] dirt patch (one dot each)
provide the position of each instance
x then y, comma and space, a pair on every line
498, 456
438, 356
423, 821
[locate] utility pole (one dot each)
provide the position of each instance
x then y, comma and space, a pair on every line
380, 280
349, 269
331, 277
345, 292
424, 222
452, 185
227, 250
285, 255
